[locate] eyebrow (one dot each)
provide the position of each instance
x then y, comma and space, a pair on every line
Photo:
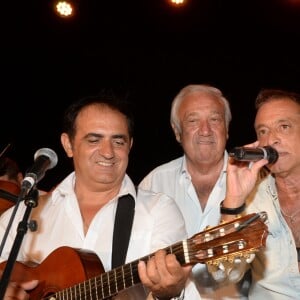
277, 122
114, 136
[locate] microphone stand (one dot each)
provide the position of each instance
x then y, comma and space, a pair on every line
31, 201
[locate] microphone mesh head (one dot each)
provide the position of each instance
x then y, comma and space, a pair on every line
272, 154
50, 154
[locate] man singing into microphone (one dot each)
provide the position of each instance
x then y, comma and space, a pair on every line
275, 269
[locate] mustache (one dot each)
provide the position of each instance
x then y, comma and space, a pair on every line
205, 140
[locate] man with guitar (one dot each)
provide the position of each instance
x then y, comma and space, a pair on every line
275, 270
78, 220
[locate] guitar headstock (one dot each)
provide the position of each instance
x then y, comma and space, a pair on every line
237, 238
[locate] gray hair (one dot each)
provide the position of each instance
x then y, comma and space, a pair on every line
203, 88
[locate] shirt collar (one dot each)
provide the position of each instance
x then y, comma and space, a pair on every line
185, 173
66, 188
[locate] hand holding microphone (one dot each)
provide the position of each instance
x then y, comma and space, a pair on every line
254, 154
241, 178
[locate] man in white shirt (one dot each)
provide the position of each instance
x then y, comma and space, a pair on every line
200, 118
80, 213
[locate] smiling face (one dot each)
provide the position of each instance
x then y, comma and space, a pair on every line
100, 147
277, 124
203, 132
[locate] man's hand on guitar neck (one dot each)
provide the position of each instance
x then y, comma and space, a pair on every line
163, 275
17, 291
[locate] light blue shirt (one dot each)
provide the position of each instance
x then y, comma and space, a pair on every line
275, 269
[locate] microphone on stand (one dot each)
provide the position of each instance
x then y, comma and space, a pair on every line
44, 159
254, 154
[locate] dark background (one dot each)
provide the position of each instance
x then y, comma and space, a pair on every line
147, 50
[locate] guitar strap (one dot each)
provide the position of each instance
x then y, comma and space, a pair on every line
122, 229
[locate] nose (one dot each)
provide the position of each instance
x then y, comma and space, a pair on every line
106, 149
273, 138
204, 127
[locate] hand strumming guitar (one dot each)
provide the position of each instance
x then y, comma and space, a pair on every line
17, 291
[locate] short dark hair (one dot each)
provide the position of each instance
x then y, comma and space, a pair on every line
266, 95
105, 97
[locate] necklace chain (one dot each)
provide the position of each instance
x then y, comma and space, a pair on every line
292, 217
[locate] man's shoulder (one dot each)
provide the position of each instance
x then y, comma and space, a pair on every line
163, 176
148, 197
168, 167
156, 203
145, 194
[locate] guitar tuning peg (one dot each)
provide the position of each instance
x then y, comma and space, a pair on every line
250, 258
228, 270
237, 271
208, 227
218, 274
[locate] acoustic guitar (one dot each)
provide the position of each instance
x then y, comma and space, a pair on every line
70, 273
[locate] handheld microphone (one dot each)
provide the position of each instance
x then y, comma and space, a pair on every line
254, 154
44, 159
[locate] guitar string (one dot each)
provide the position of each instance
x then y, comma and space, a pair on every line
178, 249
120, 274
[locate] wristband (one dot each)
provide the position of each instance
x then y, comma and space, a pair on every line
180, 297
232, 211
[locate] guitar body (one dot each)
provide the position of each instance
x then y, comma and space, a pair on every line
63, 268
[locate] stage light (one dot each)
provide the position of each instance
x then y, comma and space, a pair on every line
64, 8
177, 1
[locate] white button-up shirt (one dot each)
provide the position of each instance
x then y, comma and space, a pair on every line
173, 179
